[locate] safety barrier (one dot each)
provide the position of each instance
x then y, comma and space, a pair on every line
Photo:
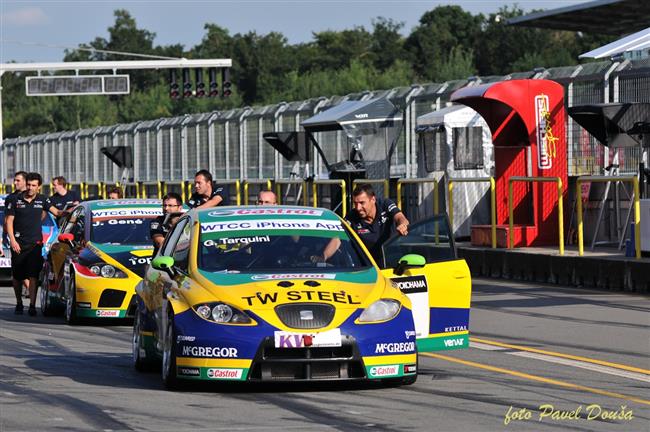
289, 182
493, 207
258, 182
149, 189
637, 208
341, 184
401, 182
560, 213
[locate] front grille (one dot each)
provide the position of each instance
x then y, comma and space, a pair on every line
111, 298
322, 363
305, 315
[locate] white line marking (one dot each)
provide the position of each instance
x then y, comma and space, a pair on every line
566, 362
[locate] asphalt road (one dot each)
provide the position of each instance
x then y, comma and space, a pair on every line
541, 358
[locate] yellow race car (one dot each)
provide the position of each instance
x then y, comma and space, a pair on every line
101, 254
245, 294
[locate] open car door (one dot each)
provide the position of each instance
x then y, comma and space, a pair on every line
426, 268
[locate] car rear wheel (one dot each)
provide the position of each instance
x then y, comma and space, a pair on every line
140, 361
170, 380
71, 301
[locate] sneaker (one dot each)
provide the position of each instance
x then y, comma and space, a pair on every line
32, 310
19, 309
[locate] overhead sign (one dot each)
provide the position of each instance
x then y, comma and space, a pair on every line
77, 85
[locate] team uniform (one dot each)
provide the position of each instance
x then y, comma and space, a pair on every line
8, 200
28, 218
159, 227
197, 199
376, 233
63, 201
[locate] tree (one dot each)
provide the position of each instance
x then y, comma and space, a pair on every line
439, 31
387, 44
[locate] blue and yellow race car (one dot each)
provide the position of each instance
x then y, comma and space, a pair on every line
101, 254
286, 294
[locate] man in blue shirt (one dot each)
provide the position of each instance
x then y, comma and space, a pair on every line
206, 192
373, 218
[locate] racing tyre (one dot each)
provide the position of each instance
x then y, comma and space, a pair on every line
44, 282
170, 380
71, 302
140, 361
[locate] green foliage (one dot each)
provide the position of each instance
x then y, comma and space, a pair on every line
447, 44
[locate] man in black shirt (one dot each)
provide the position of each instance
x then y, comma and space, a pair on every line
20, 178
63, 198
372, 219
206, 193
24, 217
172, 207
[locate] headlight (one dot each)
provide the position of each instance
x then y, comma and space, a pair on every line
107, 271
222, 313
381, 310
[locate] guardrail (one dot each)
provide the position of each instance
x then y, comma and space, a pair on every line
289, 182
560, 213
401, 182
637, 208
340, 183
249, 182
493, 207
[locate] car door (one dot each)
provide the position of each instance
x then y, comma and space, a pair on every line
157, 283
61, 251
440, 290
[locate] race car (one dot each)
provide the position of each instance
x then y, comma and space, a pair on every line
245, 294
50, 231
101, 254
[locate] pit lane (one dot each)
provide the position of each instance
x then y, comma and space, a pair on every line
536, 350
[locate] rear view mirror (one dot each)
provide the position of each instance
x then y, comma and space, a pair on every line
66, 238
164, 263
409, 261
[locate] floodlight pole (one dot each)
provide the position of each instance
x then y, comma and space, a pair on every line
102, 65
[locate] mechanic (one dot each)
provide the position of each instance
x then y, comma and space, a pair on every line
115, 192
24, 217
372, 219
63, 199
206, 192
20, 178
172, 210
266, 197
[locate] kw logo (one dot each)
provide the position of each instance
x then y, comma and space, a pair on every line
453, 342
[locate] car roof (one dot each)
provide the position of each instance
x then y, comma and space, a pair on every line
274, 211
123, 202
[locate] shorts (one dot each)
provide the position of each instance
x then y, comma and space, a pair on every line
28, 263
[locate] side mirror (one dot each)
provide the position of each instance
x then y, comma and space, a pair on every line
409, 261
66, 238
164, 263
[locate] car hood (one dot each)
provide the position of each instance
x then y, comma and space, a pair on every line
345, 290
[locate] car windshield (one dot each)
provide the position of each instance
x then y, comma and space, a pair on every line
278, 251
121, 230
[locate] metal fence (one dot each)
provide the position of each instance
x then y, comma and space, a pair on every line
230, 145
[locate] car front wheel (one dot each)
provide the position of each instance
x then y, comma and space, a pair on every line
169, 355
71, 301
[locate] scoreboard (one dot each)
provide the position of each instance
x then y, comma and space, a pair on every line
77, 85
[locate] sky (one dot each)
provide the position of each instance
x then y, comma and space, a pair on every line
39, 31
